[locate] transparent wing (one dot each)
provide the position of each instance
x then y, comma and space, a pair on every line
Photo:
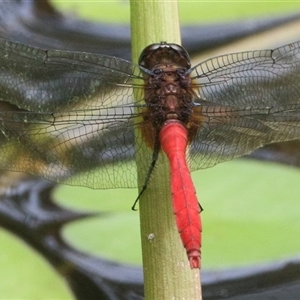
66, 113
245, 100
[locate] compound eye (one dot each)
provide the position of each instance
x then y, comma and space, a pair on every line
147, 52
162, 53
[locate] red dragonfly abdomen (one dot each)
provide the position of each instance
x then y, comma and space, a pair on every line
174, 138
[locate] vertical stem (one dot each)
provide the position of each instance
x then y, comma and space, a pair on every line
167, 273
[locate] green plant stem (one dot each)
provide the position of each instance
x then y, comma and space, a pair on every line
167, 273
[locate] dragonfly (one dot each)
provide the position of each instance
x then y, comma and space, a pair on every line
73, 117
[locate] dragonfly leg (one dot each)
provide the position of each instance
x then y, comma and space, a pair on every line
149, 173
201, 208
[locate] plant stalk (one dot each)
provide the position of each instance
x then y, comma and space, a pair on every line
167, 273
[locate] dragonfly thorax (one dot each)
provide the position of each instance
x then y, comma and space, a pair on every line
168, 94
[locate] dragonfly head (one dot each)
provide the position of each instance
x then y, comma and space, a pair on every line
164, 53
